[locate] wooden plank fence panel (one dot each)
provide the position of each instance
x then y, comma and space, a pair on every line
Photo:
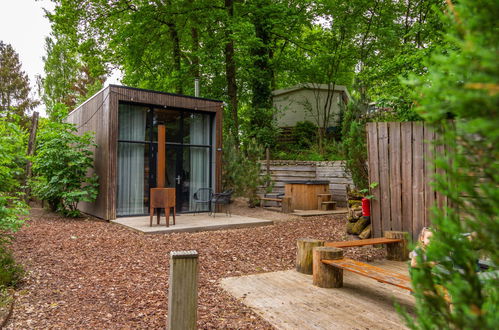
418, 211
395, 176
373, 160
440, 151
429, 194
401, 161
384, 175
406, 173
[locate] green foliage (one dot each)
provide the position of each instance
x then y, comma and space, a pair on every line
72, 73
12, 155
11, 273
242, 50
12, 206
12, 161
241, 169
62, 162
355, 145
462, 84
332, 151
304, 133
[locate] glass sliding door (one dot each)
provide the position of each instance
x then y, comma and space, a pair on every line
188, 162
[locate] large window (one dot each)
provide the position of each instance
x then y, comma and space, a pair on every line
189, 155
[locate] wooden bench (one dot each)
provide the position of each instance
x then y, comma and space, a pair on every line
329, 264
273, 199
363, 242
286, 206
395, 241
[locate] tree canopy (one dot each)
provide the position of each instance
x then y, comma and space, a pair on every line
242, 50
15, 101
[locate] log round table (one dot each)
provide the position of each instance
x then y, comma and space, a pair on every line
304, 193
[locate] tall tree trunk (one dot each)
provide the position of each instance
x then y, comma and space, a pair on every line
230, 73
263, 74
176, 53
195, 49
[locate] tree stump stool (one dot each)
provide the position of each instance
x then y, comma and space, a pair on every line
304, 254
397, 251
326, 276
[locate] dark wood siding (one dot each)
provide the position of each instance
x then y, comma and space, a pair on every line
93, 115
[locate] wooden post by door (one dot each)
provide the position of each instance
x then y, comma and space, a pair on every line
160, 175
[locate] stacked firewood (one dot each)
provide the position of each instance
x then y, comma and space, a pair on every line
357, 224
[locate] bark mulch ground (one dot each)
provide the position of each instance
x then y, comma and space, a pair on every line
94, 274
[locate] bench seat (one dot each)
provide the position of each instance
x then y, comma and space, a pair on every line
363, 242
376, 273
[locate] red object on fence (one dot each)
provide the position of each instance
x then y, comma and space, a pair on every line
366, 209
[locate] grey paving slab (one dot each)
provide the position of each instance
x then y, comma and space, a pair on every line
191, 223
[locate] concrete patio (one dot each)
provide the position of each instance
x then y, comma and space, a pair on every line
191, 223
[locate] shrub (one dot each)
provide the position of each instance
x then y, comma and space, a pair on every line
355, 145
241, 169
463, 85
12, 206
12, 158
305, 134
11, 272
61, 165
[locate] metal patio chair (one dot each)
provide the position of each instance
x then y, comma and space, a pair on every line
221, 199
202, 197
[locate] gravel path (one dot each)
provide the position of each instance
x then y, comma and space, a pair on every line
93, 274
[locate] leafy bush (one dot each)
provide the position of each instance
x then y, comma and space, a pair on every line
463, 85
62, 162
12, 158
355, 145
11, 272
12, 206
241, 169
305, 134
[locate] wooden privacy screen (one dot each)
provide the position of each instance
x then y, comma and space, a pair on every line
400, 161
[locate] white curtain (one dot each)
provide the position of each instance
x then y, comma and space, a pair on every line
132, 126
199, 156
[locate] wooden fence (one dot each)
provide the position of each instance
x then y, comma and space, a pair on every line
400, 161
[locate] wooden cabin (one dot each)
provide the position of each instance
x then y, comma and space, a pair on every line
125, 121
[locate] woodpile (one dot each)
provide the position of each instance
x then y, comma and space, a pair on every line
356, 223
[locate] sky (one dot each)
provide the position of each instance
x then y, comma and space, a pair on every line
24, 26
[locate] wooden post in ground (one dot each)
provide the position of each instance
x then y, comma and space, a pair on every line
31, 151
326, 276
183, 290
267, 159
397, 251
286, 204
304, 254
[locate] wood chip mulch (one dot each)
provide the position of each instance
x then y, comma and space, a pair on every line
94, 274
